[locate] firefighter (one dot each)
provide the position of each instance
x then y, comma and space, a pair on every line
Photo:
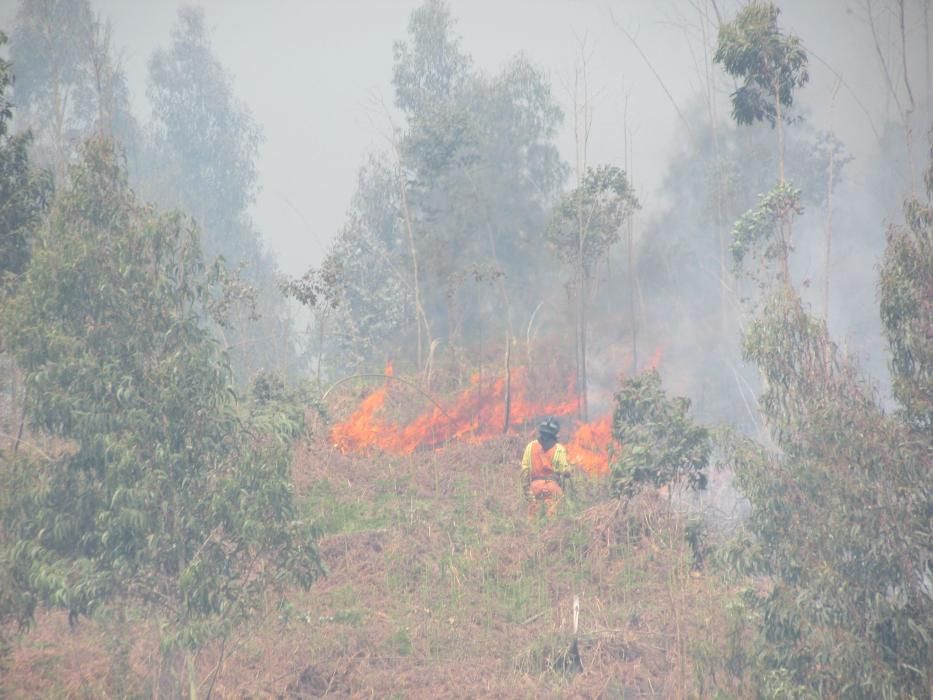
544, 467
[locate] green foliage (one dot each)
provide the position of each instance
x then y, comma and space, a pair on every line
206, 139
165, 493
480, 167
660, 443
476, 162
361, 292
400, 642
906, 287
6, 80
23, 190
589, 218
335, 516
842, 517
772, 65
429, 68
317, 287
276, 409
761, 227
719, 177
69, 84
233, 294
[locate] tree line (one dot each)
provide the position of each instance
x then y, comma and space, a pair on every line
146, 454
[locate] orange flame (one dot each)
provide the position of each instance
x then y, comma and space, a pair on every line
589, 448
656, 356
477, 413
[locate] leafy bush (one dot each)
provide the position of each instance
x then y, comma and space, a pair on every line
660, 443
165, 493
841, 513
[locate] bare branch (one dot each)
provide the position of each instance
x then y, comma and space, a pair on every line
651, 67
848, 87
884, 64
386, 376
910, 93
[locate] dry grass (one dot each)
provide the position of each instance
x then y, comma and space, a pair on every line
437, 586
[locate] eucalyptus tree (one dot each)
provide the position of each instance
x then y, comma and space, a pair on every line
205, 140
430, 67
660, 444
840, 499
443, 239
679, 265
24, 194
46, 48
24, 189
907, 309
202, 159
772, 66
840, 518
164, 494
480, 170
362, 293
69, 83
584, 225
372, 319
840, 510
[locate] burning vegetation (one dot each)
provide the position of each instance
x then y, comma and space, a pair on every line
180, 494
476, 414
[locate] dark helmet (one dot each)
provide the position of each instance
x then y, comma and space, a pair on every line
549, 426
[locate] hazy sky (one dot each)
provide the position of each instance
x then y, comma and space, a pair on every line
314, 73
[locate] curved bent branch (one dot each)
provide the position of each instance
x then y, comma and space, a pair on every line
386, 376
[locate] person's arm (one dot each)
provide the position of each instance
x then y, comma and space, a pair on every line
559, 462
526, 464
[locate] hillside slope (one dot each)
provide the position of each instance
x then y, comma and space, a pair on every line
437, 586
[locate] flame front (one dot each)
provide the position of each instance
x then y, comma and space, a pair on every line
589, 448
477, 413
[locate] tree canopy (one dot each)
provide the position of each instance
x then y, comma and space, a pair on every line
24, 189
771, 64
164, 491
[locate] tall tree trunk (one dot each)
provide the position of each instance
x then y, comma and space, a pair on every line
909, 108
784, 227
581, 323
779, 124
582, 123
508, 382
420, 315
320, 344
830, 173
904, 110
59, 105
926, 50
632, 302
717, 154
630, 245
581, 313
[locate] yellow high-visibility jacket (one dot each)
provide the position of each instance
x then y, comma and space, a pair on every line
540, 464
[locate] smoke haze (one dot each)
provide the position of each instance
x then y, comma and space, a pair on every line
316, 77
